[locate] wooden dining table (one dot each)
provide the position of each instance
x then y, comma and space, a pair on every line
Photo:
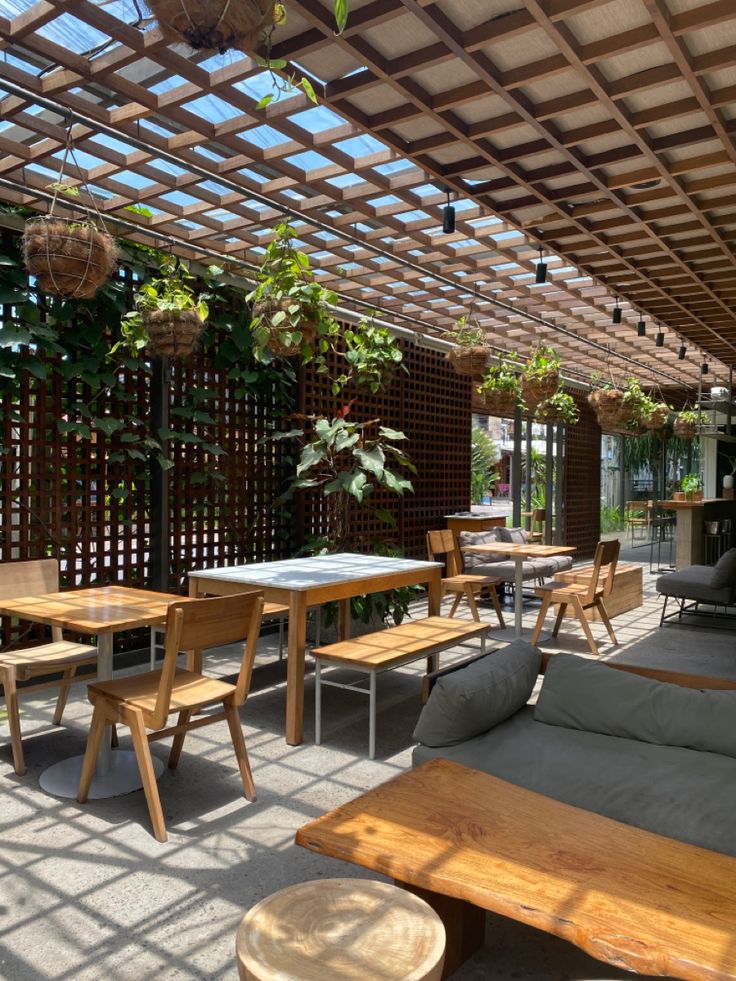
304, 582
101, 612
519, 552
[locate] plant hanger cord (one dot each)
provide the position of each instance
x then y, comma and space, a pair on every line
69, 152
225, 8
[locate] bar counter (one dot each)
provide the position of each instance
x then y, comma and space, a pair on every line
690, 525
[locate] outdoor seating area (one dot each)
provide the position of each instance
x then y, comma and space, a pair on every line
367, 556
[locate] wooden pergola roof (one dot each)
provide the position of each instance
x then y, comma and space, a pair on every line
602, 130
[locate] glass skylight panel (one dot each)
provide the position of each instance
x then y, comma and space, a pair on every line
133, 179
261, 84
255, 175
218, 61
289, 192
211, 155
502, 236
72, 34
360, 146
179, 198
111, 143
345, 180
168, 168
309, 160
156, 128
264, 137
317, 120
384, 201
424, 190
166, 84
393, 166
212, 108
416, 215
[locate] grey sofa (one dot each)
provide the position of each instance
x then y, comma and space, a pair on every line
700, 585
651, 754
503, 568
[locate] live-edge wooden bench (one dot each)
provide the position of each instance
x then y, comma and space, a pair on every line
386, 649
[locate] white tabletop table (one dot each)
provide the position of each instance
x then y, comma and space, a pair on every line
518, 552
300, 583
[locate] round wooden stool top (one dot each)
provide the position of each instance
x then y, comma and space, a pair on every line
341, 930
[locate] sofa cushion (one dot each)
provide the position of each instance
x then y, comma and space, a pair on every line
519, 536
473, 559
478, 697
694, 583
505, 569
580, 694
671, 791
724, 571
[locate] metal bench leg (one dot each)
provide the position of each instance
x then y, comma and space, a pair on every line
664, 609
317, 701
372, 719
281, 639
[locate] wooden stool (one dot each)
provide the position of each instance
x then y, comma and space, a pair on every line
341, 929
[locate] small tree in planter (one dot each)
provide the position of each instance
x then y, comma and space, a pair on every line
560, 407
470, 354
500, 389
169, 314
290, 310
540, 376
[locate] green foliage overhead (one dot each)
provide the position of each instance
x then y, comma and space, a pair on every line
464, 334
370, 355
542, 361
502, 377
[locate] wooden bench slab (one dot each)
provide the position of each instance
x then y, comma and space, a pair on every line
393, 646
465, 841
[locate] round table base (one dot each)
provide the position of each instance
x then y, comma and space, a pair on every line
123, 776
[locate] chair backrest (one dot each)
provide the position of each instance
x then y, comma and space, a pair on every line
31, 577
195, 624
442, 542
539, 516
606, 557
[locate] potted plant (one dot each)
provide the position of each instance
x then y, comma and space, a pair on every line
500, 389
290, 310
470, 354
540, 376
607, 401
728, 479
69, 257
169, 314
654, 414
691, 486
687, 422
371, 356
560, 407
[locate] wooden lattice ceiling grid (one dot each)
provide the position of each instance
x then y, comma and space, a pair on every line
604, 130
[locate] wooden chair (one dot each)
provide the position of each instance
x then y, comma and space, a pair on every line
33, 578
536, 525
636, 514
463, 584
145, 701
582, 596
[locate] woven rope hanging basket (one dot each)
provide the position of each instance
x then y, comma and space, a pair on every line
535, 390
172, 333
656, 419
685, 429
215, 25
470, 361
501, 404
609, 408
276, 344
68, 257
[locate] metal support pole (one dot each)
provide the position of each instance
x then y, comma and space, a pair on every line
730, 395
159, 499
516, 471
549, 468
560, 485
528, 472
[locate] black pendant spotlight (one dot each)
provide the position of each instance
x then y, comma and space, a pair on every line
541, 268
681, 353
641, 328
616, 319
448, 216
659, 339
704, 368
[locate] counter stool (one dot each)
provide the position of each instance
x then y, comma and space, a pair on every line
341, 930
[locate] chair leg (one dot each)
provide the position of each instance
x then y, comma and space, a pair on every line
546, 600
580, 613
558, 619
178, 743
605, 618
69, 672
145, 765
455, 604
497, 606
241, 753
7, 676
94, 741
471, 601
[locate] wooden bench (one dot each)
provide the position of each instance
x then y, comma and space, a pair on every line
627, 592
386, 649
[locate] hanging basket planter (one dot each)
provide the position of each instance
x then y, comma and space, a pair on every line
215, 25
68, 257
499, 403
281, 335
172, 333
610, 410
656, 418
685, 429
470, 361
540, 388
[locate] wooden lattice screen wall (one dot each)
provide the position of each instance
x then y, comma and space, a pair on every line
430, 403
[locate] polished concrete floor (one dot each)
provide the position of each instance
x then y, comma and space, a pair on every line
86, 893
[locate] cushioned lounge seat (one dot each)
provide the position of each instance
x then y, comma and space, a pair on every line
503, 568
700, 584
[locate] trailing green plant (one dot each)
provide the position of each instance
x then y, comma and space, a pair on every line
484, 456
370, 353
501, 377
541, 363
691, 483
174, 291
693, 416
560, 407
464, 334
291, 311
346, 461
636, 401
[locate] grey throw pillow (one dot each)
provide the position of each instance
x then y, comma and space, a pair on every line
519, 536
476, 698
724, 571
472, 559
581, 694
